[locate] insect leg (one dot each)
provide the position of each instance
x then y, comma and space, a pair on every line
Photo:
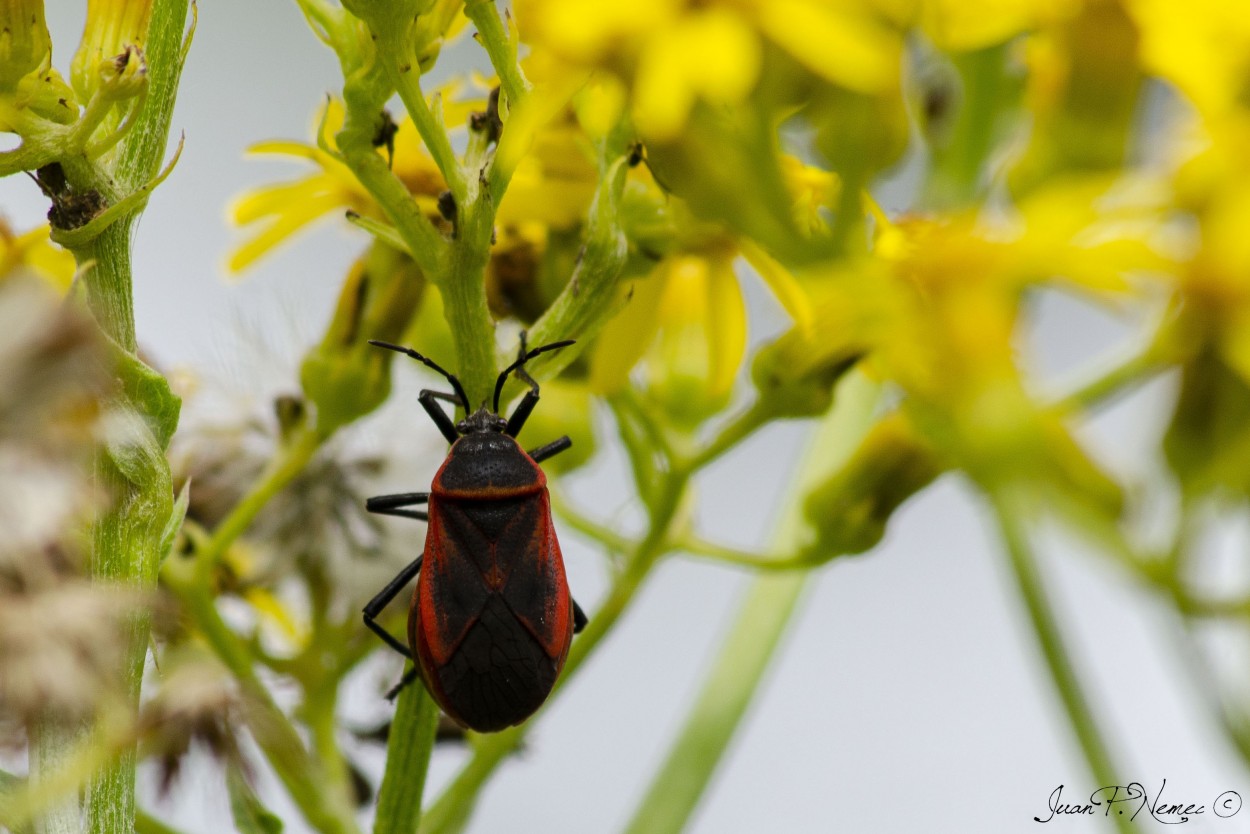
390, 505
429, 363
404, 681
518, 418
579, 618
552, 449
517, 421
384, 596
440, 418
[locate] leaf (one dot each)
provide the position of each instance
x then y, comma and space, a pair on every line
150, 392
179, 514
143, 419
250, 816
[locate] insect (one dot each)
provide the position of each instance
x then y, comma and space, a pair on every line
491, 618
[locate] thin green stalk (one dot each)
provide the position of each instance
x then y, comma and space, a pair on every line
49, 797
696, 546
605, 536
1131, 370
590, 297
424, 242
408, 750
499, 47
318, 712
752, 642
1059, 664
727, 691
731, 434
405, 75
52, 755
301, 775
126, 537
286, 465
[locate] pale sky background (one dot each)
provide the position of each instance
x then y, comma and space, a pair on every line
909, 695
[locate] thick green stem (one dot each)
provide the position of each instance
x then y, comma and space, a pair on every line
135, 475
464, 297
410, 744
1059, 663
51, 751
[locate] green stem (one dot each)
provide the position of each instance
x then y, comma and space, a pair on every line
425, 243
956, 174
318, 712
126, 537
602, 534
590, 298
727, 692
1131, 370
752, 642
1058, 661
51, 752
464, 297
405, 75
300, 774
731, 434
285, 466
696, 546
409, 746
499, 47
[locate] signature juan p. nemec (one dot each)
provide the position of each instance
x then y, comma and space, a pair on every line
1132, 799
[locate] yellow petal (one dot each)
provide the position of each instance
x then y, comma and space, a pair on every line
783, 285
843, 46
627, 335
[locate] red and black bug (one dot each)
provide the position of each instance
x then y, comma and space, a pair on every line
491, 618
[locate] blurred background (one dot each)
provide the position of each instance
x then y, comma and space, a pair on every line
909, 695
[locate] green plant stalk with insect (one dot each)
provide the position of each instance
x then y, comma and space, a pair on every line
607, 196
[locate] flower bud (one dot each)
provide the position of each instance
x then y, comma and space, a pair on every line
795, 374
849, 510
702, 338
112, 28
124, 75
345, 376
1211, 422
45, 94
25, 45
385, 15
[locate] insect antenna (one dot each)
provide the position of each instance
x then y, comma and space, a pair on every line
519, 364
429, 363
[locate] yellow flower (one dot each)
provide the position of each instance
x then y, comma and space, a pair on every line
963, 25
673, 54
25, 45
111, 27
551, 187
33, 253
284, 209
687, 324
1203, 47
